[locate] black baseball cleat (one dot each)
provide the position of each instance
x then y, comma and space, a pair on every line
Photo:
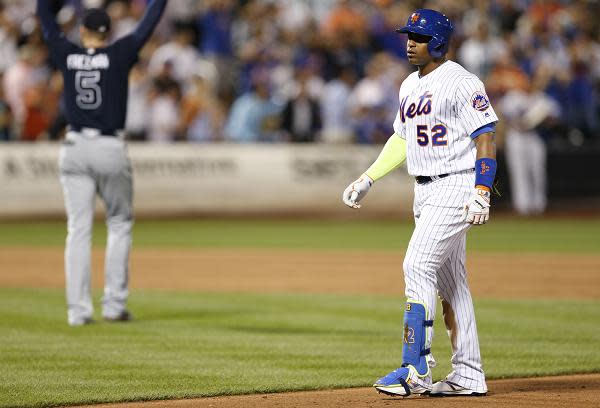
83, 321
124, 316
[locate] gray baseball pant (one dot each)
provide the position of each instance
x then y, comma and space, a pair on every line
90, 165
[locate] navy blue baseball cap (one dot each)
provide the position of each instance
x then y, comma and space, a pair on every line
96, 19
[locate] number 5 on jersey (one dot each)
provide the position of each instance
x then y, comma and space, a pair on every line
438, 135
89, 93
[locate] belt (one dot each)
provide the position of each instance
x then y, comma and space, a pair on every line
429, 179
94, 132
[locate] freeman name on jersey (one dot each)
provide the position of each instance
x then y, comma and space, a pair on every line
87, 62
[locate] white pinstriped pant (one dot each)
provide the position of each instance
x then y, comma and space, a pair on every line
435, 265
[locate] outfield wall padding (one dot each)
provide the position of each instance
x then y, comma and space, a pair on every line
226, 179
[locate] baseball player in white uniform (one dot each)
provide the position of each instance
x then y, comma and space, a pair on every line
525, 111
444, 130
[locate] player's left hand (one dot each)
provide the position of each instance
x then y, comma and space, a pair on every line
477, 209
356, 191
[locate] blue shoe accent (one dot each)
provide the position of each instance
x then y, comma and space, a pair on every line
395, 379
404, 381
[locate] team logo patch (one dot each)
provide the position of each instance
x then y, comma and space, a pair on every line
484, 168
414, 17
479, 101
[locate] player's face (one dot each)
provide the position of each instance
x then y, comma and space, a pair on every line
416, 49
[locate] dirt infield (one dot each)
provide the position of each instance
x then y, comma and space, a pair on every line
374, 272
547, 392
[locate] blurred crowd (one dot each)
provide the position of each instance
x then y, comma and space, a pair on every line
304, 70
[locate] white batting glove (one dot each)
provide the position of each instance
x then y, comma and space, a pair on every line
477, 209
356, 191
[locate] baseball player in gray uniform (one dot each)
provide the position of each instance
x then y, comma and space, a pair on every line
444, 129
93, 158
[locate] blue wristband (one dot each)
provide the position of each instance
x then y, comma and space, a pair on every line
485, 172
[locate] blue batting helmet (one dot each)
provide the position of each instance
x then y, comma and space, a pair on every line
433, 24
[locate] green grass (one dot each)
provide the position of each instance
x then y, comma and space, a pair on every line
194, 344
502, 234
188, 345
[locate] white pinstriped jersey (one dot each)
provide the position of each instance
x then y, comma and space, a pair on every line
438, 113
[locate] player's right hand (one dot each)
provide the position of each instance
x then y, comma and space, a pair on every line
356, 191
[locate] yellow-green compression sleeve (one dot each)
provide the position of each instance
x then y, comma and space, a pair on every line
392, 156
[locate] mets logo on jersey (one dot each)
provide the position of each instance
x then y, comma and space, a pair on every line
423, 107
479, 101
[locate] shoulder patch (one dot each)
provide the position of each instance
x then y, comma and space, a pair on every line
480, 101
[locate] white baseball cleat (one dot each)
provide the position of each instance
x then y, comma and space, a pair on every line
447, 388
403, 382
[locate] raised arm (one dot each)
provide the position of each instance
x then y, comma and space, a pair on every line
148, 23
46, 11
